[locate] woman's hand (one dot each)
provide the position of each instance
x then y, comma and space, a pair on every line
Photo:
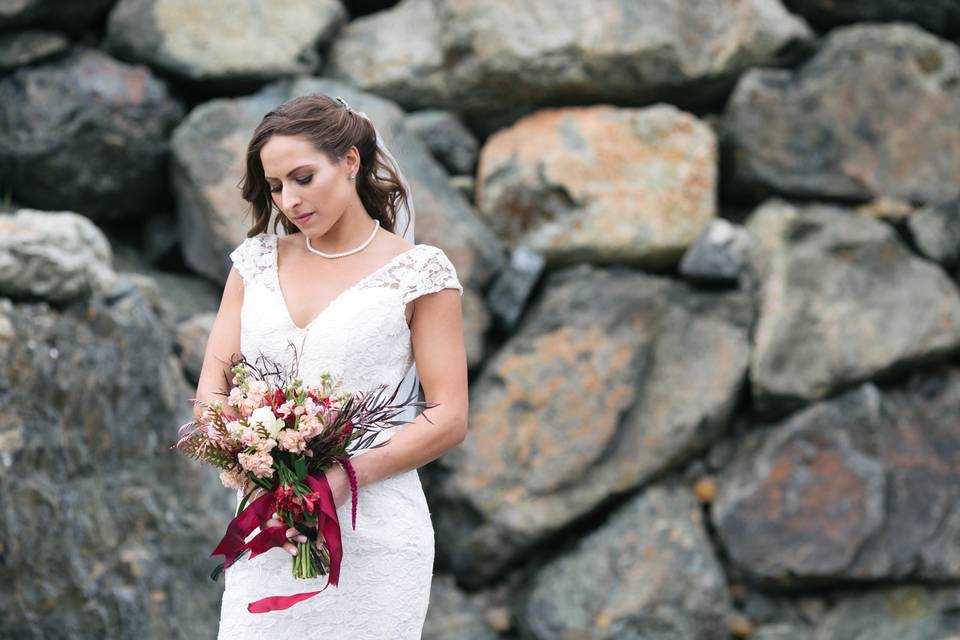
339, 487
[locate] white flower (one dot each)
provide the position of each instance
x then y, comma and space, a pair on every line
265, 418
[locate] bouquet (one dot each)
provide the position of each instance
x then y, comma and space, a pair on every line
275, 436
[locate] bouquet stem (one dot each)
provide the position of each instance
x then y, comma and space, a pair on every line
304, 566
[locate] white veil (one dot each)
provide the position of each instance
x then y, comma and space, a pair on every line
405, 221
406, 218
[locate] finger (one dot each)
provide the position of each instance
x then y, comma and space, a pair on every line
289, 548
294, 534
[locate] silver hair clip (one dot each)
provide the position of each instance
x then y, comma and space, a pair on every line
344, 103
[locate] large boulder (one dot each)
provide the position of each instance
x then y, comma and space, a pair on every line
938, 16
842, 300
864, 486
873, 113
601, 184
649, 572
87, 133
106, 532
60, 257
614, 377
229, 42
68, 15
484, 57
21, 48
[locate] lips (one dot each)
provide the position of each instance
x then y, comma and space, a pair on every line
303, 218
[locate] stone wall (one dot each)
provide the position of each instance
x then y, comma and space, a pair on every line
711, 254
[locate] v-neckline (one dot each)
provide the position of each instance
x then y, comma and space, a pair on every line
334, 299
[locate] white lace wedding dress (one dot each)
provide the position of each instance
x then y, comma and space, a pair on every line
362, 335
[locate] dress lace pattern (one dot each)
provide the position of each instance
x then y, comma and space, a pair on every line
361, 337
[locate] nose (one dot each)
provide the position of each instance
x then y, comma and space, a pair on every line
289, 199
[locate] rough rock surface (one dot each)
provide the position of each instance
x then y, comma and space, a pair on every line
861, 487
226, 41
500, 57
119, 523
601, 184
637, 374
646, 573
873, 113
87, 133
842, 300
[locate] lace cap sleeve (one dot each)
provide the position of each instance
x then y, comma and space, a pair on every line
254, 259
434, 272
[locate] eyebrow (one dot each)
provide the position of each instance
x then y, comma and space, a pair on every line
291, 172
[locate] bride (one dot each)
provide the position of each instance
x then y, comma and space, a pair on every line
343, 281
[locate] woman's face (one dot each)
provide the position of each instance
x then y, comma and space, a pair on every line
309, 189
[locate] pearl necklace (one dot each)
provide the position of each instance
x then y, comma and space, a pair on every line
376, 225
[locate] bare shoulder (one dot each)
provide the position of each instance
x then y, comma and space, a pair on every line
394, 244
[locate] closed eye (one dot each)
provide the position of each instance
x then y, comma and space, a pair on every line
304, 181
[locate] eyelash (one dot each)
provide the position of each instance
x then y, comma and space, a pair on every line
300, 181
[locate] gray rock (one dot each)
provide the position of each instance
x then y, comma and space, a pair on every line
719, 255
231, 42
92, 398
476, 322
68, 15
938, 16
647, 573
191, 342
842, 300
21, 48
859, 487
59, 257
510, 291
87, 133
450, 142
483, 57
454, 614
466, 185
910, 612
613, 378
936, 232
601, 184
782, 631
209, 148
894, 133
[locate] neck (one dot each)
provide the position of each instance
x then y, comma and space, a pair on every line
352, 229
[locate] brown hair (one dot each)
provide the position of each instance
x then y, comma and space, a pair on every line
332, 128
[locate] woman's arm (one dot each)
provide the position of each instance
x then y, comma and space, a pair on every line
438, 347
222, 343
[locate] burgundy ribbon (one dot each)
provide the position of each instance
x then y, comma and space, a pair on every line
232, 545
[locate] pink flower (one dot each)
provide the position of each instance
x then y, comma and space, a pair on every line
235, 399
233, 479
258, 389
292, 440
265, 445
259, 464
249, 437
286, 408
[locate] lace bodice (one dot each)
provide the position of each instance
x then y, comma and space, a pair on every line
361, 336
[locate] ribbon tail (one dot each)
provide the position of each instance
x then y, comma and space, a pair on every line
328, 525
279, 603
233, 542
